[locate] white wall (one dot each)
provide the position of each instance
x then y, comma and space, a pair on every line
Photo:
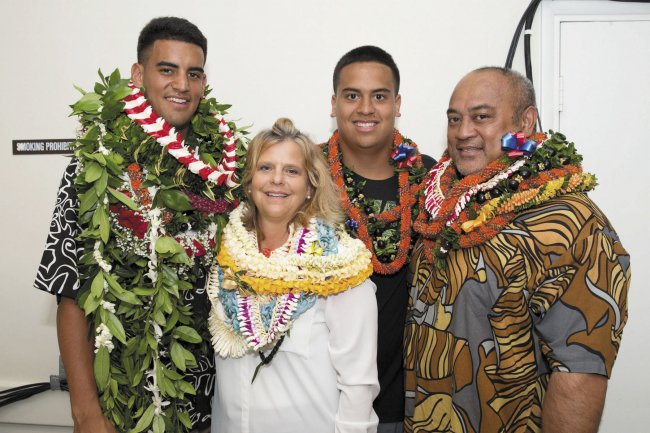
601, 51
267, 58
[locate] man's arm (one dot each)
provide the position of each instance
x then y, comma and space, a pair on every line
77, 353
573, 403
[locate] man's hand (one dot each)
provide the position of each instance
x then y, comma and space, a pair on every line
573, 403
77, 353
94, 424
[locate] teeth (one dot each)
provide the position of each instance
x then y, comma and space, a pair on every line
178, 100
469, 148
273, 194
365, 124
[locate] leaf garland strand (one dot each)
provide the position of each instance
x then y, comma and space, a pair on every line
148, 226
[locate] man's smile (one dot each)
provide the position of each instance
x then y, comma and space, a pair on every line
177, 100
365, 125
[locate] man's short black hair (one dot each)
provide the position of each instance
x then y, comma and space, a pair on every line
170, 28
366, 53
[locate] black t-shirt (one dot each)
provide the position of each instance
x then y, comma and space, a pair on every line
392, 300
58, 274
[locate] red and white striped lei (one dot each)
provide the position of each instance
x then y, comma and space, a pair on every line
138, 109
432, 190
435, 196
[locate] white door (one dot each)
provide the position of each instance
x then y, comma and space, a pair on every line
601, 101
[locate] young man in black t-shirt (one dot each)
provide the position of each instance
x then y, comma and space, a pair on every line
379, 172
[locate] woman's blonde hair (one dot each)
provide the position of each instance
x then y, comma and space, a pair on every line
324, 202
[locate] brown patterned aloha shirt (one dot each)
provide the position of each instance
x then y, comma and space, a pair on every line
548, 293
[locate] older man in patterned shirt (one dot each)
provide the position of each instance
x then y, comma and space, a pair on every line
518, 283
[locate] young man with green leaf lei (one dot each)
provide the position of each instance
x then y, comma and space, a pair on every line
139, 214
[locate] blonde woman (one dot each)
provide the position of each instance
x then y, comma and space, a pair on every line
294, 316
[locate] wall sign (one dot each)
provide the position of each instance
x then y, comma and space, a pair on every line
40, 147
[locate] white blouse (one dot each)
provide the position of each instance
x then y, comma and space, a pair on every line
323, 379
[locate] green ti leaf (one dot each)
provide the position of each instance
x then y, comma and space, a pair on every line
184, 418
93, 172
90, 304
123, 198
175, 199
169, 248
89, 103
116, 328
178, 355
100, 219
188, 334
87, 200
114, 78
145, 420
102, 182
185, 387
101, 367
80, 90
159, 425
118, 291
97, 286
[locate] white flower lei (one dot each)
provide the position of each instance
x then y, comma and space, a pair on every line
290, 262
351, 259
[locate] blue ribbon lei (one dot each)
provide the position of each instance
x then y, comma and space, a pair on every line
517, 142
352, 224
402, 152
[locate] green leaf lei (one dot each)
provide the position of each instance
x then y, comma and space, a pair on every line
385, 236
143, 245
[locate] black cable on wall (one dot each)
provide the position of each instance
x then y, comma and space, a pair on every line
525, 23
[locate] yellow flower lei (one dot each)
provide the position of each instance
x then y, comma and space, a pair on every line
562, 185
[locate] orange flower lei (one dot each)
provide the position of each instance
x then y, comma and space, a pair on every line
408, 191
136, 178
554, 170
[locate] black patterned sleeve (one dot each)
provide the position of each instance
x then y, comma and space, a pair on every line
58, 272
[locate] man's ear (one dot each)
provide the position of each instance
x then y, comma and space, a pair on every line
398, 104
333, 113
529, 120
137, 74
